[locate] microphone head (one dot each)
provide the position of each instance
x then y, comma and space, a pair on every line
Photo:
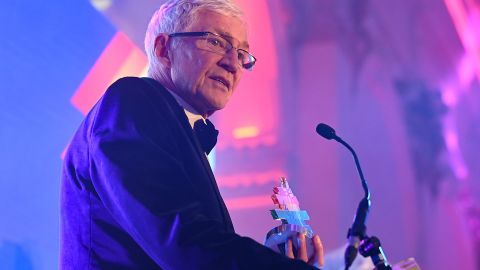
326, 131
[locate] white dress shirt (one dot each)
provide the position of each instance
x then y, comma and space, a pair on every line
191, 113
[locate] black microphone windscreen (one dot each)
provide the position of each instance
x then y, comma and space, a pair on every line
326, 131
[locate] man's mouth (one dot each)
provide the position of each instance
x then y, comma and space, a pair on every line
221, 80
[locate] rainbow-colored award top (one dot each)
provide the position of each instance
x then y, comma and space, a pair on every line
292, 217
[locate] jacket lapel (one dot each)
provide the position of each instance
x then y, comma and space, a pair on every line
182, 118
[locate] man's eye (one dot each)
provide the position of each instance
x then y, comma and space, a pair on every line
215, 42
241, 55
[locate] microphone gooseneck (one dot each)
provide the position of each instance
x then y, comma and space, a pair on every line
328, 133
358, 230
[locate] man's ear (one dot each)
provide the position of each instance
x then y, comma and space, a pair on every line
161, 49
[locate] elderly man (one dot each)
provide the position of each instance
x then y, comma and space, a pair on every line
137, 189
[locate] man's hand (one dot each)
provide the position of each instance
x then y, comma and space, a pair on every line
316, 258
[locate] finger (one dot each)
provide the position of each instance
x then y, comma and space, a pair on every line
302, 253
318, 254
289, 249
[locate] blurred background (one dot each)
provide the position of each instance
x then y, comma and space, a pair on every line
398, 79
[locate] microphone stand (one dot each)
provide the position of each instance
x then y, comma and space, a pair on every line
371, 247
357, 237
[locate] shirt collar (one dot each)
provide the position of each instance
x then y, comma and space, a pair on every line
191, 113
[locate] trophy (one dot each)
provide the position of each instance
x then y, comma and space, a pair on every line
293, 221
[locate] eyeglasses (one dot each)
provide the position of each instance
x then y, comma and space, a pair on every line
216, 43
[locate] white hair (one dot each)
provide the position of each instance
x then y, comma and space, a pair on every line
176, 16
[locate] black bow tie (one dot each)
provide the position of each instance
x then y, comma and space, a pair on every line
206, 134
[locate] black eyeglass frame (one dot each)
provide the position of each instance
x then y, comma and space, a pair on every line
206, 33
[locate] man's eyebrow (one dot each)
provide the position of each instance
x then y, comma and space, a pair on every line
243, 45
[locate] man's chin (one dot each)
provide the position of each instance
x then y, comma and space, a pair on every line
215, 107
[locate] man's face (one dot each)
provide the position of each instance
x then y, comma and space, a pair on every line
204, 79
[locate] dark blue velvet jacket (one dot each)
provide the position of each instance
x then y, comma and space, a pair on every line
138, 193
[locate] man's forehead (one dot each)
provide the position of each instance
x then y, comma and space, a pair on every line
222, 24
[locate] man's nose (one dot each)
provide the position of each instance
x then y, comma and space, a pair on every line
230, 61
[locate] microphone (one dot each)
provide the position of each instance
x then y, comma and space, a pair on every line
358, 230
326, 131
